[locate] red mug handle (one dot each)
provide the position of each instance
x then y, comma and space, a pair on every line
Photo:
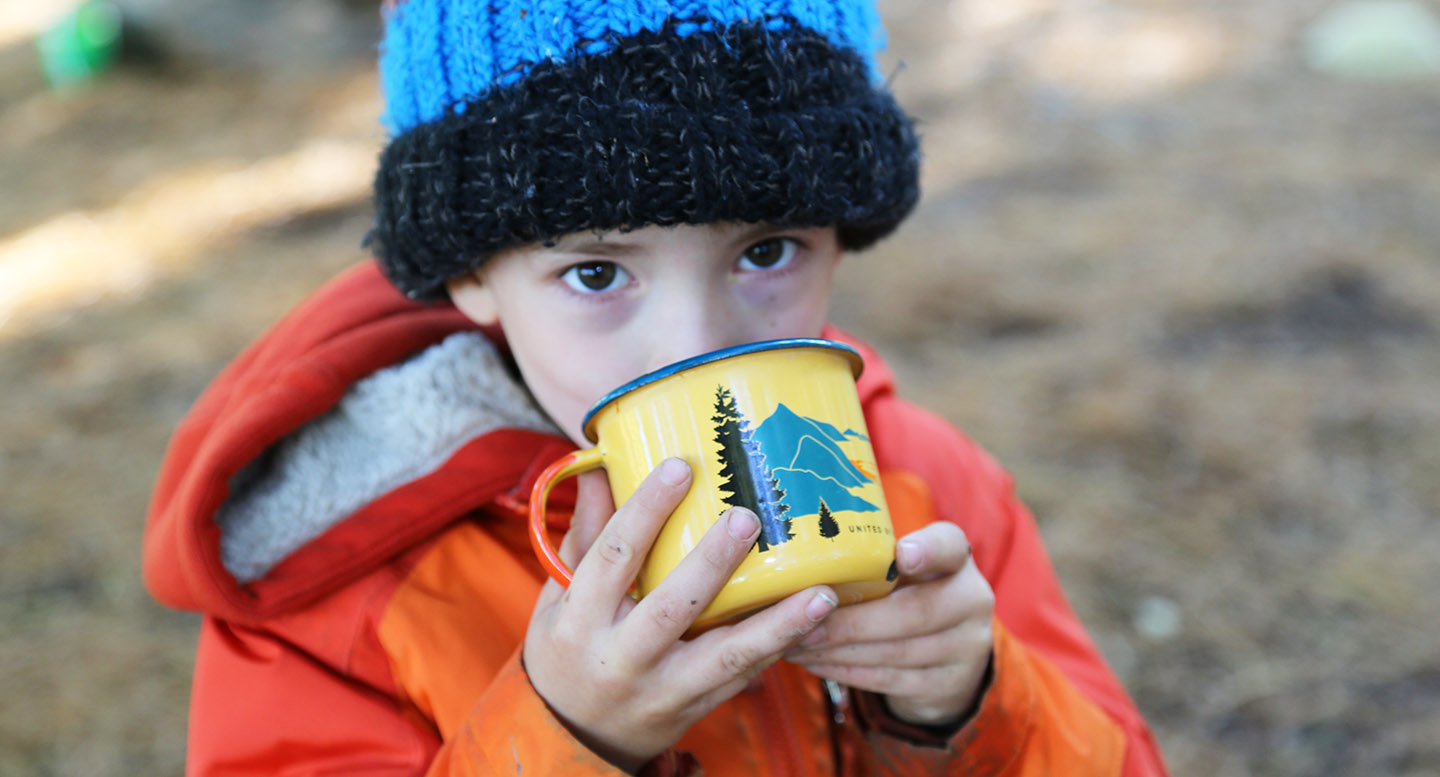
566, 466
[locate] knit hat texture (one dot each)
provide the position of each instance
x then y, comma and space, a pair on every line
519, 122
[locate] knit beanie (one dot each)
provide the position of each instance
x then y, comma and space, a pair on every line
519, 121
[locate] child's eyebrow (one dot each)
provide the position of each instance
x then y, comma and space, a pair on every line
749, 233
596, 247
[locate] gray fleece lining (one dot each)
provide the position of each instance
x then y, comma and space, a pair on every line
390, 428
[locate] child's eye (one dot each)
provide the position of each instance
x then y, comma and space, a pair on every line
595, 277
771, 254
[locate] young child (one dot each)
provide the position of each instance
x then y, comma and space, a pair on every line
577, 193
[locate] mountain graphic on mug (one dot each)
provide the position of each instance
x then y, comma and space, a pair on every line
788, 467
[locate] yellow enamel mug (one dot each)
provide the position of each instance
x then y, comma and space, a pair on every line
774, 426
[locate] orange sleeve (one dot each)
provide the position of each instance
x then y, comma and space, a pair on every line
1031, 722
1052, 691
511, 731
259, 706
1033, 608
393, 676
453, 633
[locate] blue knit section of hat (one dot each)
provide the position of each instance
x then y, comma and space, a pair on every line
437, 54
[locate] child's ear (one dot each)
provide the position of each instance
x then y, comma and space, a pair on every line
473, 297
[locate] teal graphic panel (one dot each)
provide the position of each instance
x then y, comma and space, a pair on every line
808, 464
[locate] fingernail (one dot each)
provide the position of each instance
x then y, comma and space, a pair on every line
820, 605
908, 554
742, 524
673, 471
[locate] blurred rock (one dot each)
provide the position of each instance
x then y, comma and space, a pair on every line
1157, 618
1375, 39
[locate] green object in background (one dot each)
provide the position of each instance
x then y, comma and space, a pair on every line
1375, 40
82, 45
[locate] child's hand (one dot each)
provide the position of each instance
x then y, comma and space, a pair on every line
926, 645
615, 671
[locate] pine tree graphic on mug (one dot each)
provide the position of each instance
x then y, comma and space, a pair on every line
788, 467
748, 483
828, 527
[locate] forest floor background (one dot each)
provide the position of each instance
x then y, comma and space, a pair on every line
1184, 288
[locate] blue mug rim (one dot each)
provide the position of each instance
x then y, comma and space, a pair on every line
857, 365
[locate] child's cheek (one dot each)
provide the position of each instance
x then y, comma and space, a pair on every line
786, 310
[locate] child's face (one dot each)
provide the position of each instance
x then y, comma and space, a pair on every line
594, 312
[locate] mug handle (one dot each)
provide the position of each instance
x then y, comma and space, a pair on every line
566, 466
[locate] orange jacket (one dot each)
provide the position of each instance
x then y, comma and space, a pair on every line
387, 641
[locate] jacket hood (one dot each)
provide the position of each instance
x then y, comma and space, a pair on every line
357, 427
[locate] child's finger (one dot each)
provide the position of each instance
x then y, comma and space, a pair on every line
737, 653
912, 611
907, 612
593, 507
667, 611
912, 652
550, 593
938, 549
893, 681
605, 573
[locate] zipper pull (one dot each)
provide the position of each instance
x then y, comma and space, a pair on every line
839, 699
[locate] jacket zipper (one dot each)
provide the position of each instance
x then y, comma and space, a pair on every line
777, 727
837, 703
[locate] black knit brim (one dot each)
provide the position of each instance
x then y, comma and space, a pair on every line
749, 125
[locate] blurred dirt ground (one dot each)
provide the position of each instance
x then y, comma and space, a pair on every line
1186, 290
